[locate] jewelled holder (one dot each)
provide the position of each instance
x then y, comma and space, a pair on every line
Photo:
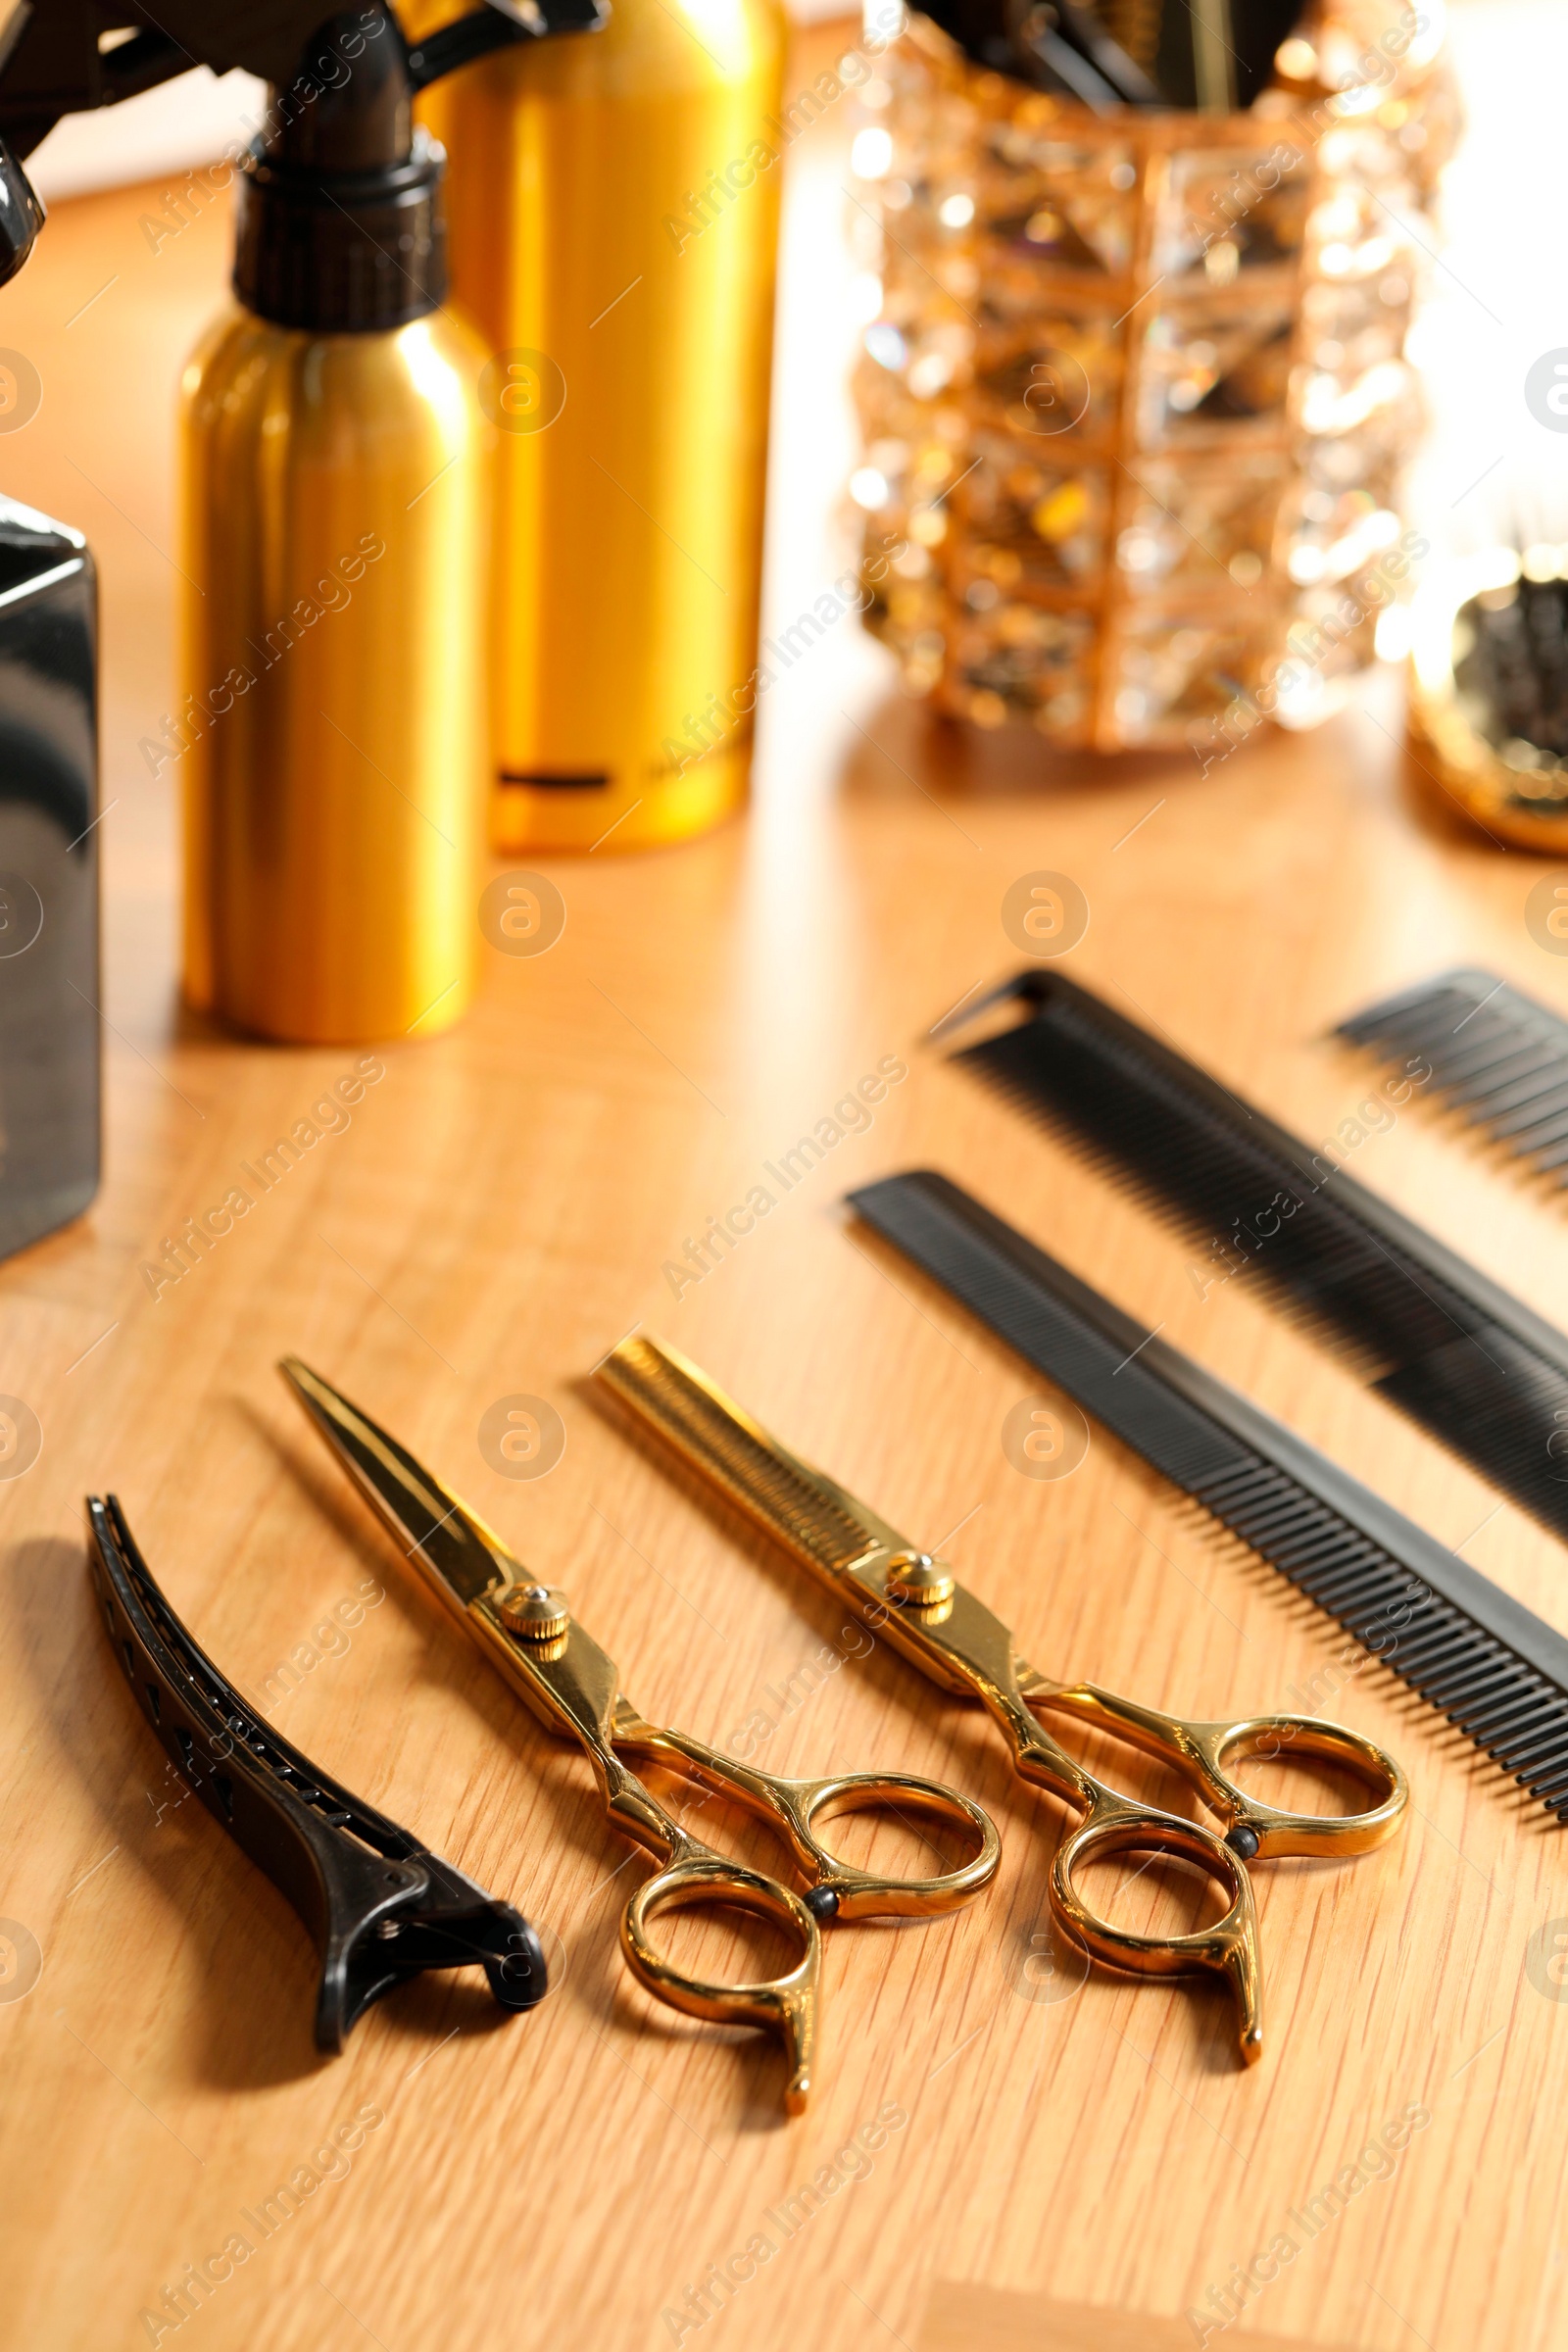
1134, 400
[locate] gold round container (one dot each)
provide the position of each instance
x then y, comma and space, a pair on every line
332, 740
1513, 789
632, 351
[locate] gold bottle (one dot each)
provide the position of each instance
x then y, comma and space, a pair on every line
335, 526
334, 734
626, 293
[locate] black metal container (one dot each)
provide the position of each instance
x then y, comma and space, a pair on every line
49, 991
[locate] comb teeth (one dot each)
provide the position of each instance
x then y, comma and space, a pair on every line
1489, 1665
1500, 1060
1471, 1364
1499, 1701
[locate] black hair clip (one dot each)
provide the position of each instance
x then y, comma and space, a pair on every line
381, 1908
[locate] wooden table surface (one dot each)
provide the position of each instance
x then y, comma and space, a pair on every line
499, 1212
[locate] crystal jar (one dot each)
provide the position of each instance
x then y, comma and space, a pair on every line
1133, 398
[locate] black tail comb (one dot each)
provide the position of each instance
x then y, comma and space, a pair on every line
381, 1909
1487, 1663
1471, 1364
1500, 1060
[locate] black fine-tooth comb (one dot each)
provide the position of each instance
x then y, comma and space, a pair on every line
1487, 1663
381, 1907
1474, 1366
1500, 1060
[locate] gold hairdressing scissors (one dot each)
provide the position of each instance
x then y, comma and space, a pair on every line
574, 1686
954, 1639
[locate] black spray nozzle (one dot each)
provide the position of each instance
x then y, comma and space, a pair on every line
341, 89
339, 227
477, 34
348, 106
69, 57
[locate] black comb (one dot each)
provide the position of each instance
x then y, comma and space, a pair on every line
1487, 1663
381, 1909
1471, 1365
1500, 1060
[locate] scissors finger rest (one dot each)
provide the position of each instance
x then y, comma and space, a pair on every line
1229, 1946
786, 2005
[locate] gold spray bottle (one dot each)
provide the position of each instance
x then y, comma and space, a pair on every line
334, 735
614, 210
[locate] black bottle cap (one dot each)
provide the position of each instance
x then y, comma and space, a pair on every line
339, 227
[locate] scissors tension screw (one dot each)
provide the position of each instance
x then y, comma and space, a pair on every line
914, 1576
534, 1611
1243, 1842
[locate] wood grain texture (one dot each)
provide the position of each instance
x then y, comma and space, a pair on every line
959, 2316
499, 1212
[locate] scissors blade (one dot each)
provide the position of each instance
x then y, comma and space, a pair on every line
804, 1510
460, 1557
962, 1645
572, 1683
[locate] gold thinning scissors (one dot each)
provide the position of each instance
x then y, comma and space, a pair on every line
574, 1686
954, 1639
